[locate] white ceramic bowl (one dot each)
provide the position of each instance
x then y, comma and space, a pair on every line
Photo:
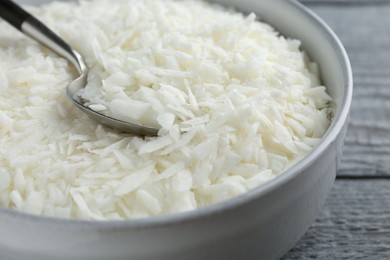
261, 224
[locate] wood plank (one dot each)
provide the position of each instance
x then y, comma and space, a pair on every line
346, 2
365, 32
355, 224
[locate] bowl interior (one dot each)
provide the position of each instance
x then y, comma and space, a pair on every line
292, 20
318, 41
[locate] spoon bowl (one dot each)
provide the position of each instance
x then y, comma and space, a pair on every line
31, 26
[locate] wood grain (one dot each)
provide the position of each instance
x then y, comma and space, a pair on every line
345, 2
365, 32
355, 224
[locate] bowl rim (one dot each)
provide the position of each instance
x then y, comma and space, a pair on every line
224, 206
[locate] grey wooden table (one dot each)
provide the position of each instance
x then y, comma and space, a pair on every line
355, 223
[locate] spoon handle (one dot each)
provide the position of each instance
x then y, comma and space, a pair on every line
31, 26
13, 13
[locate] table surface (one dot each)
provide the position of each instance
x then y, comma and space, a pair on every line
355, 223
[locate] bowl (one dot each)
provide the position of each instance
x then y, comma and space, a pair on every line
263, 223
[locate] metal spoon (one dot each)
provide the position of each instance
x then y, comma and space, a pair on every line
31, 26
